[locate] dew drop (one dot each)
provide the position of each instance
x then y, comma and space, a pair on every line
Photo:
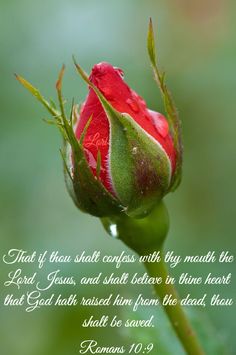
107, 92
133, 105
113, 230
139, 99
160, 123
120, 72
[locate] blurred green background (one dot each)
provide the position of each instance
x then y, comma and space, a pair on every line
196, 43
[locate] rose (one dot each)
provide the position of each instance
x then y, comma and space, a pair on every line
139, 175
109, 80
119, 156
120, 159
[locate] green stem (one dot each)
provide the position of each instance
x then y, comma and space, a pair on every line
175, 313
145, 235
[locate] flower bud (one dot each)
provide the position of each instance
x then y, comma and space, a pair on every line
133, 144
119, 156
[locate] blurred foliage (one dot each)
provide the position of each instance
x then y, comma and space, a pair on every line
195, 43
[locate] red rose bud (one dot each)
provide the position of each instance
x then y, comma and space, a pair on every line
119, 156
134, 146
109, 80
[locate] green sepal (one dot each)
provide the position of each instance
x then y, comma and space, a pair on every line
65, 151
139, 166
86, 190
36, 93
171, 111
98, 166
151, 168
120, 160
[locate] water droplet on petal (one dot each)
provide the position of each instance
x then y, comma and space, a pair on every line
113, 230
107, 92
120, 72
139, 99
160, 123
133, 105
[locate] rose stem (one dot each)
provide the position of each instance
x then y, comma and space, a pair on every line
175, 313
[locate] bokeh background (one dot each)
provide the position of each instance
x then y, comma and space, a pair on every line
196, 43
